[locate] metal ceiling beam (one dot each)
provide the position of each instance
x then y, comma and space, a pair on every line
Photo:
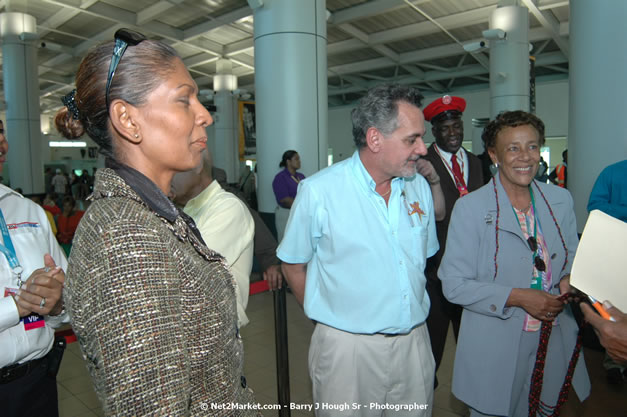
61, 17
215, 23
344, 46
551, 4
412, 69
371, 8
239, 47
549, 22
363, 37
421, 55
465, 71
55, 47
122, 17
199, 59
471, 17
426, 28
155, 10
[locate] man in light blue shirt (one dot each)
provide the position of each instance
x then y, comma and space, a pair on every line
354, 254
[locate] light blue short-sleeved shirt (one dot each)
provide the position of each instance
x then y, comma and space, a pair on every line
365, 260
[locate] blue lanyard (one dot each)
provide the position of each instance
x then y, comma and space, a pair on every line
9, 250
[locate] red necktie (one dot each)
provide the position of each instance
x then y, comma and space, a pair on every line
459, 177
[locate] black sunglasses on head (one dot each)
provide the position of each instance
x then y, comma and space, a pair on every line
123, 38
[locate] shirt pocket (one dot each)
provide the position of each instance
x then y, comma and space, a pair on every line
419, 245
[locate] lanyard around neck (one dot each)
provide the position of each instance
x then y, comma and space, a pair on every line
449, 165
535, 221
8, 250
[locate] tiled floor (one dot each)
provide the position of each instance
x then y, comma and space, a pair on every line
77, 398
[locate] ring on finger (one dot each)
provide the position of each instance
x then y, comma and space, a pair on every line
42, 303
549, 314
47, 269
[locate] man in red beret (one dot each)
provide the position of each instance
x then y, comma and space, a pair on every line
460, 173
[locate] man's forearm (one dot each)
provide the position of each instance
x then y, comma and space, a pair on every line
439, 205
296, 275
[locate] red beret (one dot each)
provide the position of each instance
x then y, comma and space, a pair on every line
443, 104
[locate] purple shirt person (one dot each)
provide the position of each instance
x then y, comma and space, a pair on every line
285, 185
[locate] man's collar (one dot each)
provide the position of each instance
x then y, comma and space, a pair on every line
362, 174
448, 155
202, 197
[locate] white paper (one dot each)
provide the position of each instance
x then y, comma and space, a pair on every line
600, 264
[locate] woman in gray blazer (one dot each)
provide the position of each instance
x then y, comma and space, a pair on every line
508, 256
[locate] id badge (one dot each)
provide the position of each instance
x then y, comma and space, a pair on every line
9, 291
33, 321
536, 283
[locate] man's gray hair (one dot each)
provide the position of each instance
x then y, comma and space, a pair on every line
379, 109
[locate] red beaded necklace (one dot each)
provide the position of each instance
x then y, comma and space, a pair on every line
537, 376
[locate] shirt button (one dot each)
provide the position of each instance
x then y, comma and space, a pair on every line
492, 308
401, 262
553, 256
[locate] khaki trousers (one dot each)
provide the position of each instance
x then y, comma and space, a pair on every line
371, 375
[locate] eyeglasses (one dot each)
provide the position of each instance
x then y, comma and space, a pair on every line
123, 38
537, 261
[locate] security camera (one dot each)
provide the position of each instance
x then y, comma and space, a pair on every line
494, 34
474, 46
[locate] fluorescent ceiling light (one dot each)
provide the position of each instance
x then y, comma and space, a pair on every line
68, 144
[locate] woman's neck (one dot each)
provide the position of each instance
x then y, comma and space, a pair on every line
292, 170
520, 197
162, 178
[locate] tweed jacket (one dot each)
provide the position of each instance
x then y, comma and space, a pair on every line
487, 348
154, 311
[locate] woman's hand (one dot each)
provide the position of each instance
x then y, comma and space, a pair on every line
568, 293
42, 293
539, 304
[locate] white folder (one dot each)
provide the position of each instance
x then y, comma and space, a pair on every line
600, 264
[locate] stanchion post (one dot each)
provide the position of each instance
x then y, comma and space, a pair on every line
282, 360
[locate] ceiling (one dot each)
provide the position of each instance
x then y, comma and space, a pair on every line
418, 42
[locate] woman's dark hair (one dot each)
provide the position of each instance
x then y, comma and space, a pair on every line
511, 119
69, 199
287, 155
141, 70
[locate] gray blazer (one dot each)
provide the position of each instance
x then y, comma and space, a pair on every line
487, 348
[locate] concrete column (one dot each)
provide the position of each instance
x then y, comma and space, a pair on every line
291, 88
509, 59
226, 133
18, 32
597, 126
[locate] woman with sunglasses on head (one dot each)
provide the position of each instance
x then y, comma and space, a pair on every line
153, 308
507, 262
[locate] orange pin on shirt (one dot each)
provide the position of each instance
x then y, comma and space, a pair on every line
416, 209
